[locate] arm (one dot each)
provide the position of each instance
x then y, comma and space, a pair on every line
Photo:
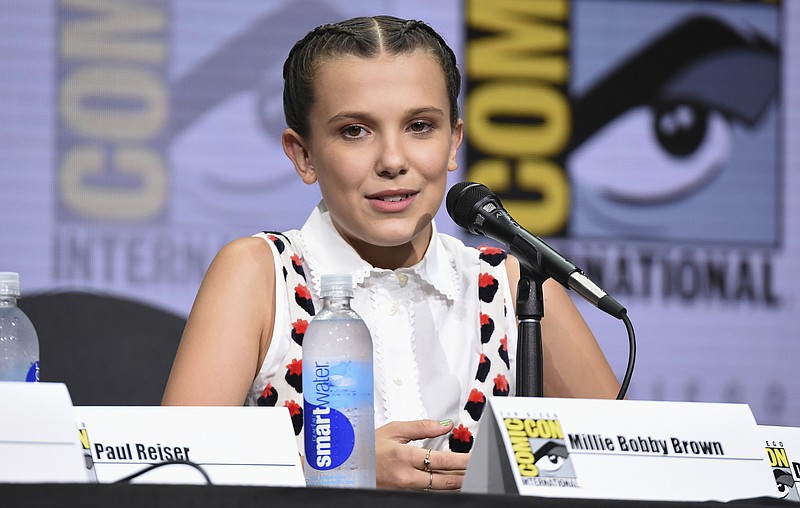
574, 364
228, 330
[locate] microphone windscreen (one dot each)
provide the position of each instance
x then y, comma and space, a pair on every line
461, 200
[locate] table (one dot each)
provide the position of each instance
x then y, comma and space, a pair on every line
213, 496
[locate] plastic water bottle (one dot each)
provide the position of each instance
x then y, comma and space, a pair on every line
19, 345
338, 411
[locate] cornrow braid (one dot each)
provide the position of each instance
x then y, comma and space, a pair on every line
364, 37
407, 25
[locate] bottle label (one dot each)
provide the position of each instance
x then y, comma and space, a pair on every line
33, 373
330, 391
329, 439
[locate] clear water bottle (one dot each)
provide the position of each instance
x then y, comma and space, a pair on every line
338, 409
19, 345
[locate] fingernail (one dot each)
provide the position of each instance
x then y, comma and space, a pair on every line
445, 423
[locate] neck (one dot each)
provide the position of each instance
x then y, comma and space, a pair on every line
398, 256
391, 258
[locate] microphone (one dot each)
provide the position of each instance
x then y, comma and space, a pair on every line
475, 208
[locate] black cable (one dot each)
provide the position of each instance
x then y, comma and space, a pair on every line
623, 389
167, 463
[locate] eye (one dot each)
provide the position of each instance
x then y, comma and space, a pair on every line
551, 456
550, 463
784, 481
680, 128
354, 131
420, 127
682, 148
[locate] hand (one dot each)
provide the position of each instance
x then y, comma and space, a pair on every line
402, 466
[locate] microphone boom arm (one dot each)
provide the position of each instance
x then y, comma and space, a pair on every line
544, 261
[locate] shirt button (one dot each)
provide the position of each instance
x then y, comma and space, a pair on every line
402, 278
398, 381
392, 309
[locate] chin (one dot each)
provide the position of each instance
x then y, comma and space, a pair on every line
388, 240
389, 236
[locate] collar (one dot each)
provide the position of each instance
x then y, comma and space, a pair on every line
325, 251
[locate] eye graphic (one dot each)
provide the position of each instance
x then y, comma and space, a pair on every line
659, 127
226, 117
679, 147
550, 457
783, 481
680, 128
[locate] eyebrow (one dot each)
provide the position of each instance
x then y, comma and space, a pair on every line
354, 115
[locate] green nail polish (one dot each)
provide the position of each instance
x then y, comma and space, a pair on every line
445, 423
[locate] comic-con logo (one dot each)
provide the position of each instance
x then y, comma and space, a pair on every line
540, 451
782, 469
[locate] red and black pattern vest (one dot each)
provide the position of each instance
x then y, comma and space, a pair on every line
491, 373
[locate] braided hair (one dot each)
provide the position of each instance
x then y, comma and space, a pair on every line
364, 37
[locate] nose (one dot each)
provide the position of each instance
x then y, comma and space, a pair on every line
392, 160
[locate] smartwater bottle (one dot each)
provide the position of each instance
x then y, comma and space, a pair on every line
338, 411
19, 345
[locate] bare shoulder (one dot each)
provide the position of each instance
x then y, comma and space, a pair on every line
241, 263
249, 249
239, 283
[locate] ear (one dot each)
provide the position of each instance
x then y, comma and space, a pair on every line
296, 149
456, 137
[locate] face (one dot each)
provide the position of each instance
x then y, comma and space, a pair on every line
380, 145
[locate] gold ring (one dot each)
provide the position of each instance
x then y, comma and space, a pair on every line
430, 483
427, 462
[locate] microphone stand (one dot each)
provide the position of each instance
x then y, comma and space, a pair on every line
530, 311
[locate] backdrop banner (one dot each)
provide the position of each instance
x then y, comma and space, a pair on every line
653, 142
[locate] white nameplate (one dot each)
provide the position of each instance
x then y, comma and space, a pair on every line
233, 445
783, 454
608, 449
38, 442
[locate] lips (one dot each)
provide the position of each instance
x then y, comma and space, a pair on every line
392, 195
394, 200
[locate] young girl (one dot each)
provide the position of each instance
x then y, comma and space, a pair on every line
372, 114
